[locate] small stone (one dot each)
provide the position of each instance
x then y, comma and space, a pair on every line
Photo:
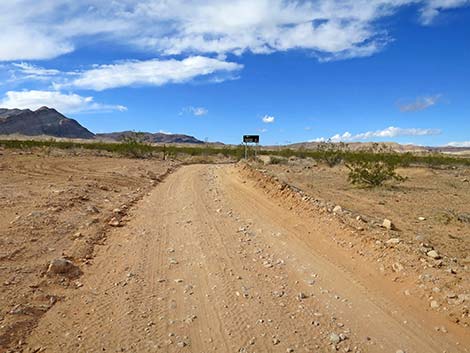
434, 304
18, 310
393, 241
337, 209
301, 296
92, 209
276, 341
77, 235
400, 351
114, 222
421, 218
397, 267
334, 338
388, 224
433, 254
61, 266
181, 344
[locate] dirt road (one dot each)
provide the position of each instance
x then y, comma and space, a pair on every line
209, 263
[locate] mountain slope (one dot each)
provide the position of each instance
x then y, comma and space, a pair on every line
150, 137
44, 121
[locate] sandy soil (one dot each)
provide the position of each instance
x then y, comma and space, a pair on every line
216, 259
431, 210
57, 206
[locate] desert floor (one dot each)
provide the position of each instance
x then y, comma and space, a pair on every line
218, 258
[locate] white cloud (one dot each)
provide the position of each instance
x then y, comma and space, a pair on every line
332, 29
25, 44
268, 119
31, 70
389, 132
420, 103
64, 103
198, 111
432, 8
151, 72
459, 144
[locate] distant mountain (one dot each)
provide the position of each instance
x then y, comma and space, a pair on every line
392, 146
359, 146
49, 122
44, 121
149, 137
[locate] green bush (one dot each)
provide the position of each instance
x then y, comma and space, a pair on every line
372, 173
332, 153
277, 160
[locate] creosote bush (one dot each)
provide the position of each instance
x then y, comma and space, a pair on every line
277, 160
135, 146
372, 173
332, 153
147, 150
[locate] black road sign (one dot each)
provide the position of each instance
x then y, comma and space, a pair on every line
251, 138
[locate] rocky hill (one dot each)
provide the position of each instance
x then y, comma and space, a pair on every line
149, 137
49, 122
43, 121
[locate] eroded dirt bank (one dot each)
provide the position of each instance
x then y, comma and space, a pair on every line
58, 207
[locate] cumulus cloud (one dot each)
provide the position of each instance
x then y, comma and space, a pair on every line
389, 132
421, 103
63, 102
333, 29
268, 119
151, 72
459, 144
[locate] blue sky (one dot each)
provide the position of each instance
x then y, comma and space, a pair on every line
346, 70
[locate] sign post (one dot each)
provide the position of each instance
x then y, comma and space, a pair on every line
250, 139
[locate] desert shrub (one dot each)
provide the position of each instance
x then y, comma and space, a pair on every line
277, 160
331, 153
372, 173
134, 147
